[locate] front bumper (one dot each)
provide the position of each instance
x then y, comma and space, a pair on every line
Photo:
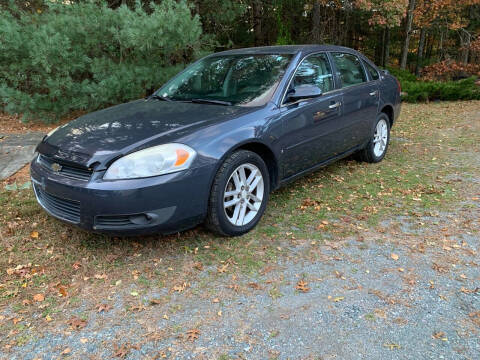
161, 204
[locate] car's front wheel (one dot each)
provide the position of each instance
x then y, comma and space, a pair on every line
239, 194
377, 146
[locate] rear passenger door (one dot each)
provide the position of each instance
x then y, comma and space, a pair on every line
360, 99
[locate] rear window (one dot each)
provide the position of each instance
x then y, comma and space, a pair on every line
372, 71
349, 69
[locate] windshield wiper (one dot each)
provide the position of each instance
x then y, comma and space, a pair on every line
209, 101
158, 97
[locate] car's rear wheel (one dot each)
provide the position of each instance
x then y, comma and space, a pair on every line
239, 194
377, 147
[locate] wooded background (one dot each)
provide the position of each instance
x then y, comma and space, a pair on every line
53, 51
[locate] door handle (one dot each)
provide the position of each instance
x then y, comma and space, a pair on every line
336, 105
374, 93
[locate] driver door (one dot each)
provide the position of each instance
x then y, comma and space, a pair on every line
310, 125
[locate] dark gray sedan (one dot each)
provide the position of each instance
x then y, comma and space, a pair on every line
214, 141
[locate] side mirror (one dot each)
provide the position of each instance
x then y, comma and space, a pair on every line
304, 92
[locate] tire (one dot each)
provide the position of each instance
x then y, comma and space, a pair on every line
229, 188
377, 147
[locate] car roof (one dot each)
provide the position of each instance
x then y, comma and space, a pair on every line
285, 49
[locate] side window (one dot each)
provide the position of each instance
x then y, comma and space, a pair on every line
315, 70
372, 71
349, 69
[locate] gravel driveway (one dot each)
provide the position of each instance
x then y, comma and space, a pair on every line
361, 302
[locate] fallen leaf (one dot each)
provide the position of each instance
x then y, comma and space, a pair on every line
302, 286
394, 256
34, 235
193, 334
101, 276
181, 287
338, 298
121, 351
392, 346
439, 335
155, 301
102, 308
468, 291
223, 268
138, 307
440, 268
380, 313
83, 340
62, 291
475, 317
255, 286
66, 351
77, 323
38, 297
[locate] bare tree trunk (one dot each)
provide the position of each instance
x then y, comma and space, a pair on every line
429, 47
421, 47
465, 39
408, 31
441, 50
379, 48
386, 47
257, 22
316, 36
382, 48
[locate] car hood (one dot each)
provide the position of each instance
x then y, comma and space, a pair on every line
106, 134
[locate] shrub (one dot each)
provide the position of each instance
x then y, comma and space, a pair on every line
402, 75
86, 56
450, 70
435, 90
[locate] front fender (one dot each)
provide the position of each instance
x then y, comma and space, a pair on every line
215, 143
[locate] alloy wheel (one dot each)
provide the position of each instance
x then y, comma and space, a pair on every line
380, 138
243, 194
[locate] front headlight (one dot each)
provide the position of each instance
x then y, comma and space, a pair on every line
154, 161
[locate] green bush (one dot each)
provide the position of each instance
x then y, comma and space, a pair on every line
86, 56
435, 90
402, 75
416, 90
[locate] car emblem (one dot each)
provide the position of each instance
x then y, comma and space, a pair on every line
56, 167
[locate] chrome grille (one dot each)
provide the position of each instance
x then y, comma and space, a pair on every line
65, 169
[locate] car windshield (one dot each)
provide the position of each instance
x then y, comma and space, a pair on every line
246, 80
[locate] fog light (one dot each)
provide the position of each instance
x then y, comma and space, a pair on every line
140, 219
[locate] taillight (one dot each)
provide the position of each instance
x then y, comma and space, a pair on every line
399, 86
